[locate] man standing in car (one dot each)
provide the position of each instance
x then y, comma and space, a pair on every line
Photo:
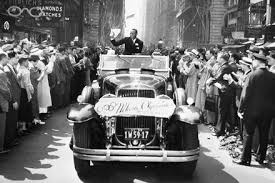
133, 45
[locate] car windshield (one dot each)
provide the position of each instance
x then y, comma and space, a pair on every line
133, 62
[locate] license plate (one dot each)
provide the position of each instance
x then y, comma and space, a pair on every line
136, 133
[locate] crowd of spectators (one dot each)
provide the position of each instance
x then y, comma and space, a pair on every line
218, 81
36, 80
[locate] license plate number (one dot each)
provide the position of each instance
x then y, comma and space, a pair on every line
136, 133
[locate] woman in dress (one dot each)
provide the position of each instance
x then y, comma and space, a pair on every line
35, 75
204, 76
191, 70
43, 88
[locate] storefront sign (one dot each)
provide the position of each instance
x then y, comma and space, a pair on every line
6, 23
133, 106
42, 10
52, 10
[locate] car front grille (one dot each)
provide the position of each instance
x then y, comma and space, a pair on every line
136, 93
135, 122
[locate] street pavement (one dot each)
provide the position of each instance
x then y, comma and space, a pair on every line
44, 156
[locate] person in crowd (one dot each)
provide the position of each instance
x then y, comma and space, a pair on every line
5, 99
12, 115
257, 108
204, 76
133, 45
55, 78
25, 109
69, 75
35, 74
87, 66
180, 77
61, 72
191, 70
43, 88
226, 94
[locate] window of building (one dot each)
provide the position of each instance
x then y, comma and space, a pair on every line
232, 18
232, 3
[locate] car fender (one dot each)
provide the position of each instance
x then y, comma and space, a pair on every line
187, 114
82, 112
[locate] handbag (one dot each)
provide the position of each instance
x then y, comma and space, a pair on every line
210, 103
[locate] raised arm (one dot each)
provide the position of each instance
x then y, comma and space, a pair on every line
119, 42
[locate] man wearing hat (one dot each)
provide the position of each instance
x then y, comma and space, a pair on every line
257, 108
226, 94
15, 89
5, 98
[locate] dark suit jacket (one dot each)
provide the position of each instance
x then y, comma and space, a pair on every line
14, 85
130, 47
258, 95
225, 68
5, 94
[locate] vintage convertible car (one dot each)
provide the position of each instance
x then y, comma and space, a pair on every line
132, 113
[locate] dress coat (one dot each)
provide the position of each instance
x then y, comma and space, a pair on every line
205, 75
43, 89
130, 46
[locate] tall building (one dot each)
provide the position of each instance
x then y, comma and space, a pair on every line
161, 22
244, 19
200, 22
99, 17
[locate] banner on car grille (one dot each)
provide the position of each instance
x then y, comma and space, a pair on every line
133, 106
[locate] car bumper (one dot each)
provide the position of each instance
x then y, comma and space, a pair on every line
136, 155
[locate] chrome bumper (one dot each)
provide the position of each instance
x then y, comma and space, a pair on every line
136, 155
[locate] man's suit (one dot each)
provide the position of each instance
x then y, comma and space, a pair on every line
5, 98
131, 47
12, 115
227, 95
258, 105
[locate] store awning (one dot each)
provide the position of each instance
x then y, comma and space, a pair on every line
183, 11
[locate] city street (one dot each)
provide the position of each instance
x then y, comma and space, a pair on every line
44, 156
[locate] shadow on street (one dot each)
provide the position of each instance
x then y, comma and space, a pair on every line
33, 152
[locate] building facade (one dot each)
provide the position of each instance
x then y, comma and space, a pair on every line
244, 19
200, 22
99, 17
57, 19
161, 22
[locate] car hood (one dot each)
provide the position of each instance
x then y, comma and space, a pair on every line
134, 81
